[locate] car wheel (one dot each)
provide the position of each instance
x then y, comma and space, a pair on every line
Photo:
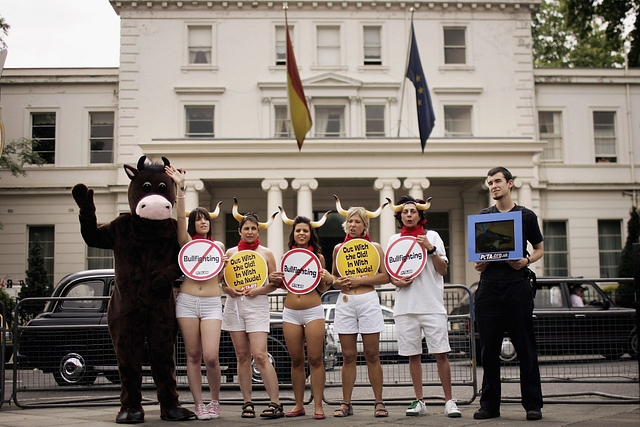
508, 351
279, 358
73, 370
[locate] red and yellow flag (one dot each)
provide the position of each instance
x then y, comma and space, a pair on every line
298, 108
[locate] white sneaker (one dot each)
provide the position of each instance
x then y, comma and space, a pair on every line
214, 409
451, 409
202, 413
416, 408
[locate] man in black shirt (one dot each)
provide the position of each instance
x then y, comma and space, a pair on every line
504, 303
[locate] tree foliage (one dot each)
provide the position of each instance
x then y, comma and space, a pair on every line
556, 43
37, 282
583, 15
19, 152
4, 29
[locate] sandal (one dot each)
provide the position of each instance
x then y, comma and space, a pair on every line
248, 410
273, 411
342, 411
380, 412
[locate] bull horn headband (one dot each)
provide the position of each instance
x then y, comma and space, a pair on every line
369, 214
239, 217
420, 206
213, 214
314, 224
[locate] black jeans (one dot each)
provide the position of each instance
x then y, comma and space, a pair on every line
500, 308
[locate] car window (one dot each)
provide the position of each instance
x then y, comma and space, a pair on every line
591, 296
84, 289
387, 314
549, 296
332, 314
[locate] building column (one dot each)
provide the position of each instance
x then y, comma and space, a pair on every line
524, 193
192, 198
415, 187
274, 188
305, 199
386, 187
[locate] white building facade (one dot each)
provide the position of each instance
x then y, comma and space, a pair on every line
203, 83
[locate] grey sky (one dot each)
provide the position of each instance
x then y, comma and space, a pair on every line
61, 33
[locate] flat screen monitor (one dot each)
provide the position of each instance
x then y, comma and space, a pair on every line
495, 236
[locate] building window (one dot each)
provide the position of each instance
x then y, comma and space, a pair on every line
101, 137
99, 258
200, 45
43, 129
329, 122
372, 46
457, 121
556, 250
46, 235
455, 49
328, 46
604, 131
609, 247
374, 121
550, 128
283, 123
281, 44
199, 122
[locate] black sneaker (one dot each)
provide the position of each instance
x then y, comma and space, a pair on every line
534, 415
484, 414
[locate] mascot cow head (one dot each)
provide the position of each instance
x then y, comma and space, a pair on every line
152, 192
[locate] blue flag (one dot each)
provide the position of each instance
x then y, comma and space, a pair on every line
426, 117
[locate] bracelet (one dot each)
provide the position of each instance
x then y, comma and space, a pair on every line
178, 197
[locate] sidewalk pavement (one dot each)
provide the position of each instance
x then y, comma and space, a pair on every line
572, 414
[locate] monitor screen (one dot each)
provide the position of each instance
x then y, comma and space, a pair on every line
494, 236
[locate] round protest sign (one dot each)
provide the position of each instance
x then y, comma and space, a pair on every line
201, 259
246, 270
405, 257
302, 271
357, 258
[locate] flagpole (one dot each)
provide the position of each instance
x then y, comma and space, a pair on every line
404, 77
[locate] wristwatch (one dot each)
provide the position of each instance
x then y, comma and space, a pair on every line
432, 251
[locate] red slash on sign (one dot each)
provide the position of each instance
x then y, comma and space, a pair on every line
405, 258
201, 259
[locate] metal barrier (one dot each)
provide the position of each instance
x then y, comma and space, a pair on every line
74, 364
3, 350
77, 357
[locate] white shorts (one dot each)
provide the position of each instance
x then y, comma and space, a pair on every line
204, 308
434, 326
359, 314
246, 314
302, 317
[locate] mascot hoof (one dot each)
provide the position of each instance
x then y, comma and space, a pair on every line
130, 416
178, 413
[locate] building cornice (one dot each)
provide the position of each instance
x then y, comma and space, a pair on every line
432, 5
34, 76
587, 75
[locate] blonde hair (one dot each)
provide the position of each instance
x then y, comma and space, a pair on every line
362, 213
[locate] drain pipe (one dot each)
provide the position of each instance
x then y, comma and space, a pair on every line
630, 129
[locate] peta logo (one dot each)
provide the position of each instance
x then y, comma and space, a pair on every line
493, 257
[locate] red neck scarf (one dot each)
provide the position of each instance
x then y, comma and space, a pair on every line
242, 246
416, 231
200, 236
308, 248
365, 237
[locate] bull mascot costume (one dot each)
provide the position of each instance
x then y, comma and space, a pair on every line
145, 248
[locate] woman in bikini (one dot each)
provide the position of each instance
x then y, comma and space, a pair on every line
246, 317
199, 307
303, 319
358, 312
